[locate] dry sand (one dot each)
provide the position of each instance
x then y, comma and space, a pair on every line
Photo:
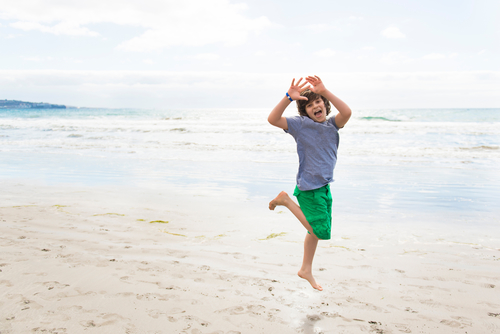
117, 260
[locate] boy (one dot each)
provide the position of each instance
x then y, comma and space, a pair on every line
317, 142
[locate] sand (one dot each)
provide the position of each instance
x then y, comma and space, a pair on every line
110, 259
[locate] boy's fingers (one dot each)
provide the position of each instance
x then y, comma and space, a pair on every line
313, 80
302, 98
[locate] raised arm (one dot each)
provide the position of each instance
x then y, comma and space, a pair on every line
344, 112
276, 116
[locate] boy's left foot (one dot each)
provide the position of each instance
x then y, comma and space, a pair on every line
279, 200
309, 277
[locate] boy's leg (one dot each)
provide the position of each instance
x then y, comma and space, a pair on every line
311, 241
305, 272
285, 200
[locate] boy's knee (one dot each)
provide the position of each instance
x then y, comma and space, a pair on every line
322, 228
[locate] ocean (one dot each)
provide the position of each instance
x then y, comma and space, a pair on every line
439, 164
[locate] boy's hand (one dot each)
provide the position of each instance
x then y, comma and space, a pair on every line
295, 90
317, 85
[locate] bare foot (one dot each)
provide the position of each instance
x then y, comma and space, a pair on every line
309, 277
279, 200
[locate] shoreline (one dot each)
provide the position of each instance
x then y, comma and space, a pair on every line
80, 259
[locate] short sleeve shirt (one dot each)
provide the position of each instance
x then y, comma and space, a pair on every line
317, 145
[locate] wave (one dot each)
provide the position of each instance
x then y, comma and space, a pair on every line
378, 118
481, 148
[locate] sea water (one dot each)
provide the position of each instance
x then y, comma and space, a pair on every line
441, 162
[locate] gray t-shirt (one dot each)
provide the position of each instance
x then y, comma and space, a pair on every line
317, 145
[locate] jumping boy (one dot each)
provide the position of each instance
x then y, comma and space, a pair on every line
317, 141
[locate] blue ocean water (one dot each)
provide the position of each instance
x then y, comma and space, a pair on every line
433, 161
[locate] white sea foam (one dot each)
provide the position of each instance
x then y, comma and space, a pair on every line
441, 136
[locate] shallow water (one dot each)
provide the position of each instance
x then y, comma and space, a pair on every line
397, 163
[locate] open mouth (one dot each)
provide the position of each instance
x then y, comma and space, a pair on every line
318, 113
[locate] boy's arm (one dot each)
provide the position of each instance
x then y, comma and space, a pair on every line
276, 116
344, 111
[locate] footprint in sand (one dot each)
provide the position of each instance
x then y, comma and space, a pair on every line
155, 314
49, 330
109, 319
53, 316
330, 315
153, 296
252, 309
403, 328
6, 283
88, 323
452, 323
125, 294
256, 309
235, 310
430, 302
54, 285
313, 318
192, 320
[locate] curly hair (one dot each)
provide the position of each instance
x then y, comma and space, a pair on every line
301, 104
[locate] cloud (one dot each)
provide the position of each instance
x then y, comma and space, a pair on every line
35, 58
12, 36
395, 58
434, 56
166, 23
437, 56
326, 53
320, 27
392, 32
62, 28
206, 56
161, 89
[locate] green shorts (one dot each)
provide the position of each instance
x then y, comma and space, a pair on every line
316, 205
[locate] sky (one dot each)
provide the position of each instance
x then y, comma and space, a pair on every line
244, 54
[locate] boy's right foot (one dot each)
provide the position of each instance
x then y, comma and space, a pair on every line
279, 200
309, 277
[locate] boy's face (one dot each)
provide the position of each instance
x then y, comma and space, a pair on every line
316, 110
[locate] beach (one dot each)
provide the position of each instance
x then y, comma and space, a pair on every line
113, 261
140, 224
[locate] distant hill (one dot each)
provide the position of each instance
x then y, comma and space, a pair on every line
13, 104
